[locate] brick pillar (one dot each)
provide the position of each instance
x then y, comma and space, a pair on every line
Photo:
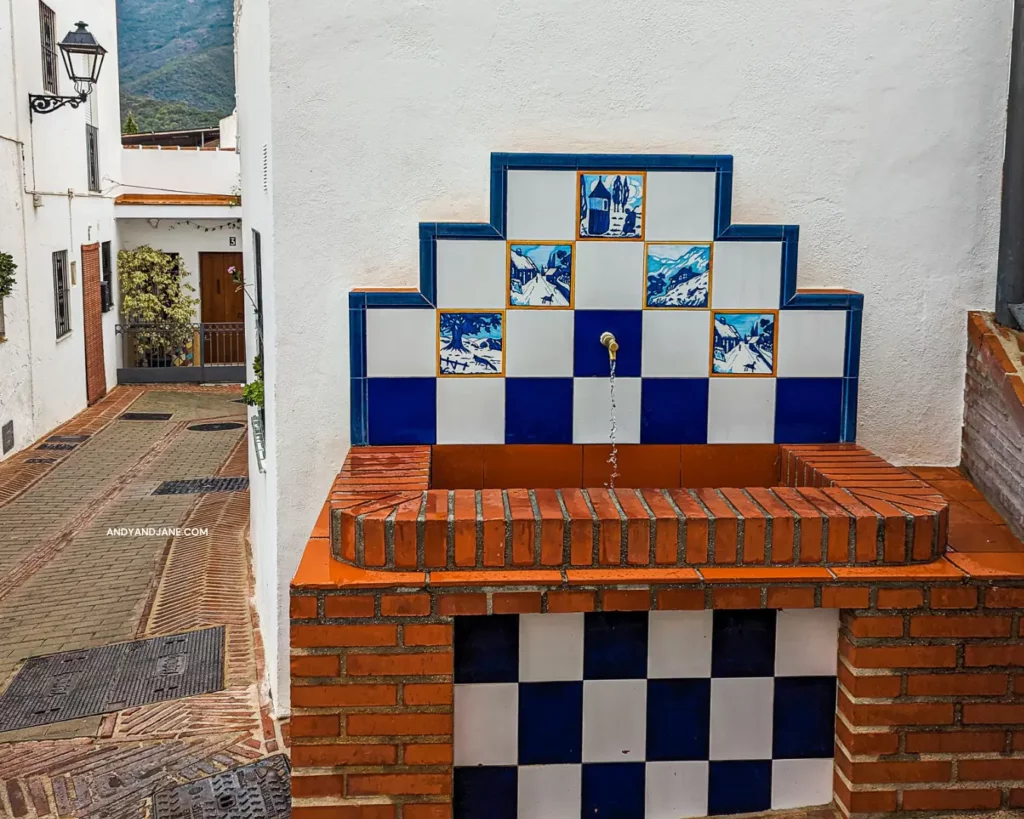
931, 701
371, 720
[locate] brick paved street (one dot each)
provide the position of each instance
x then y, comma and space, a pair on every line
67, 583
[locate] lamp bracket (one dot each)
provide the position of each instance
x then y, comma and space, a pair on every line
47, 103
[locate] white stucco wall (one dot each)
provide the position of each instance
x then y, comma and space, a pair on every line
152, 170
187, 238
42, 379
875, 126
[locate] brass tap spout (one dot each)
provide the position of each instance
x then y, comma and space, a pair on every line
608, 340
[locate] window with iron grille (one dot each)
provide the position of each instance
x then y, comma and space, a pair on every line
61, 294
106, 278
48, 41
92, 147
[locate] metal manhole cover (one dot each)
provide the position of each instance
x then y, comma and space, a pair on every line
62, 447
40, 460
219, 427
145, 416
75, 684
198, 486
237, 400
68, 439
261, 790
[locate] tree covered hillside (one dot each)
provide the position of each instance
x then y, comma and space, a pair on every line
176, 62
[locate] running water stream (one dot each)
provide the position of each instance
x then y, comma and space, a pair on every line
613, 458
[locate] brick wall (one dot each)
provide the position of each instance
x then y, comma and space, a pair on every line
931, 698
95, 371
993, 436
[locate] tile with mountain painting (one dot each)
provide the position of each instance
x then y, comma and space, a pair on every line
678, 275
540, 274
611, 205
470, 342
743, 343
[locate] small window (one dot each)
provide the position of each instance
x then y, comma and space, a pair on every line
48, 41
106, 278
92, 147
61, 294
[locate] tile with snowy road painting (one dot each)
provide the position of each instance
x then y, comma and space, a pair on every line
678, 275
470, 342
540, 274
744, 344
611, 205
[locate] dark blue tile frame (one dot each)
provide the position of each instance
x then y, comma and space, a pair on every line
494, 228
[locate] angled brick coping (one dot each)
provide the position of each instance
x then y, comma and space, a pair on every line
835, 505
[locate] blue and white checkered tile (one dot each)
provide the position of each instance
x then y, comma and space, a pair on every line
713, 345
661, 715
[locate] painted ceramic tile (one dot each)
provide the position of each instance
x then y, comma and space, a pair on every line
611, 205
677, 275
744, 343
471, 343
540, 275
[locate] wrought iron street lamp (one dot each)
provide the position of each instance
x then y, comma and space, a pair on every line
83, 60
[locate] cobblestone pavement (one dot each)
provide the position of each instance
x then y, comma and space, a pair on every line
75, 573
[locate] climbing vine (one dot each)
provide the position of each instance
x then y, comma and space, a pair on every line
157, 299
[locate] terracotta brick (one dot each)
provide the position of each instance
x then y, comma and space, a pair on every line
493, 514
948, 799
781, 597
943, 685
431, 811
327, 756
516, 603
417, 635
867, 744
399, 665
894, 772
435, 529
317, 786
901, 656
523, 527
581, 528
989, 655
319, 725
1017, 797
876, 626
427, 694
343, 812
697, 526
328, 665
886, 714
992, 714
958, 597
725, 526
449, 604
864, 801
322, 696
571, 601
845, 597
736, 597
552, 527
405, 605
337, 636
399, 724
397, 784
900, 598
348, 605
1005, 598
302, 608
626, 600
439, 753
959, 626
955, 742
873, 686
465, 528
980, 770
681, 599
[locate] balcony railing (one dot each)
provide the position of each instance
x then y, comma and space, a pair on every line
207, 352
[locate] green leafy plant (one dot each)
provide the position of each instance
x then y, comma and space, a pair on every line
130, 126
157, 300
252, 393
7, 268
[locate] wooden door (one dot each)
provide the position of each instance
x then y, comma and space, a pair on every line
92, 312
221, 303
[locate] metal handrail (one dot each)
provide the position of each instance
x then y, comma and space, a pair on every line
165, 345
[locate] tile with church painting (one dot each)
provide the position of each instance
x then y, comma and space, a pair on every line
744, 344
470, 342
611, 205
540, 274
678, 275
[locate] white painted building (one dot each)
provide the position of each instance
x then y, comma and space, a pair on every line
56, 218
877, 128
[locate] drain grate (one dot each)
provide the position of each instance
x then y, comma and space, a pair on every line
62, 447
197, 486
218, 427
258, 791
40, 460
76, 684
68, 439
145, 416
